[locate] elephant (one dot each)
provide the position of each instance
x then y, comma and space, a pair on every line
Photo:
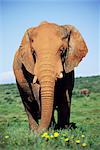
44, 72
85, 91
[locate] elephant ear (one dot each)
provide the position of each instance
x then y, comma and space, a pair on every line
77, 48
25, 52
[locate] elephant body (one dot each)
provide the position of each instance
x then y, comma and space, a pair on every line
44, 70
85, 92
62, 102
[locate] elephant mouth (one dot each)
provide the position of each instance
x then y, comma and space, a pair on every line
58, 76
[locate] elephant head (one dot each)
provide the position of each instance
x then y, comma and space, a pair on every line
46, 52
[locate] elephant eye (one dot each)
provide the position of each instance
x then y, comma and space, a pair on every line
65, 37
62, 50
31, 39
63, 54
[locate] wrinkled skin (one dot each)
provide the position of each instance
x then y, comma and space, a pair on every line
43, 67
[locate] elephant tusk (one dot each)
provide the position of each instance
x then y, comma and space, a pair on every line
34, 79
61, 75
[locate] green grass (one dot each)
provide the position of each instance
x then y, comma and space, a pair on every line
85, 112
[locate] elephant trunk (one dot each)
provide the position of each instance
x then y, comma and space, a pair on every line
47, 82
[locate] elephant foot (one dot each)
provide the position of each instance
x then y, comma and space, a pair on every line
71, 125
33, 127
52, 124
39, 131
32, 124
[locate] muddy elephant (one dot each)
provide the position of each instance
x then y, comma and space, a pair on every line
43, 67
85, 91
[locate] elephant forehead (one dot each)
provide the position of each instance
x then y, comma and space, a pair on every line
47, 30
47, 43
47, 39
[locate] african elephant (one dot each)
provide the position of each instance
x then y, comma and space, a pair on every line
43, 67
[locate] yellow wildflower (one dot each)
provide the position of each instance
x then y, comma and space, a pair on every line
56, 134
66, 139
84, 144
77, 141
51, 136
44, 134
47, 137
6, 137
83, 135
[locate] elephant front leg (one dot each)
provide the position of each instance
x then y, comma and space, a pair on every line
28, 99
31, 106
32, 123
64, 110
68, 107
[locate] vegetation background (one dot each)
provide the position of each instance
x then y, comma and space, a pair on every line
85, 112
